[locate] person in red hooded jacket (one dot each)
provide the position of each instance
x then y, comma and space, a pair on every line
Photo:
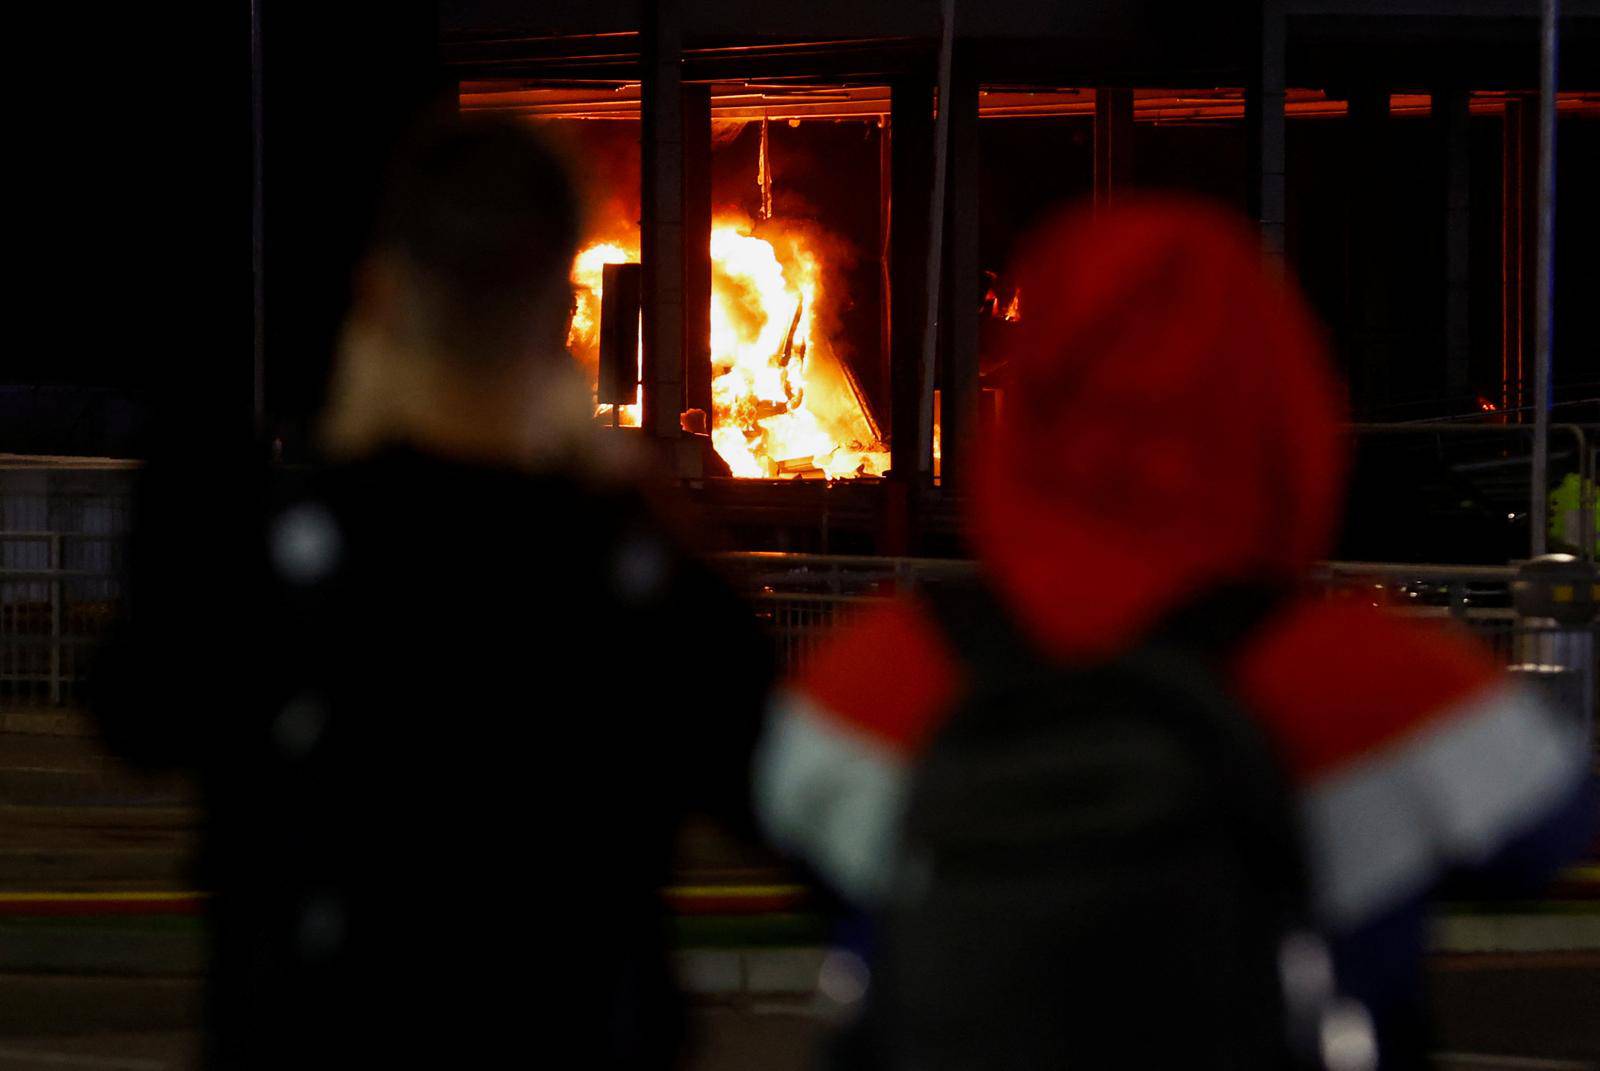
1172, 426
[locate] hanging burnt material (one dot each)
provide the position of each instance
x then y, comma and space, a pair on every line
793, 385
788, 340
764, 173
619, 334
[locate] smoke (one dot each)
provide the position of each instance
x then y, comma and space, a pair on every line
602, 156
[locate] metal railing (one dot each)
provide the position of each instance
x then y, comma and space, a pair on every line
801, 598
60, 592
1477, 596
1585, 456
53, 611
62, 529
63, 524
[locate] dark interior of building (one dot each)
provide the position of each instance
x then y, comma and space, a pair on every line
1385, 151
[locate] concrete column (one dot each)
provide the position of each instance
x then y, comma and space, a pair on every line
1451, 117
959, 381
697, 247
911, 127
1264, 121
885, 273
1366, 319
661, 223
1519, 164
911, 179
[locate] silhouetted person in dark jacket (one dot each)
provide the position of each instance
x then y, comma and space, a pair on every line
449, 694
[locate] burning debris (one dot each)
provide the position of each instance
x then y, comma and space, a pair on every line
764, 172
783, 404
583, 336
993, 306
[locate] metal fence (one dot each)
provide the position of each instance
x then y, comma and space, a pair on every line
801, 598
63, 528
52, 615
60, 592
1492, 464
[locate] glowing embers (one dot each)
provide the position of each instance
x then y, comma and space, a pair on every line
783, 403
994, 305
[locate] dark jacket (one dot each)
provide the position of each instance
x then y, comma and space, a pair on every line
447, 720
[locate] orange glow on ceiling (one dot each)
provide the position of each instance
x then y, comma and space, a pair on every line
744, 101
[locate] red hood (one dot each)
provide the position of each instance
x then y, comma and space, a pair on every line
1170, 422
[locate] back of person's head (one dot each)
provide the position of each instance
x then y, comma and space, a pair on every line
1170, 423
483, 221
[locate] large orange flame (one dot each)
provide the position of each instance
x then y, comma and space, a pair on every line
583, 337
783, 404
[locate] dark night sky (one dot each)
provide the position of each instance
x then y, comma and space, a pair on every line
133, 216
132, 205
